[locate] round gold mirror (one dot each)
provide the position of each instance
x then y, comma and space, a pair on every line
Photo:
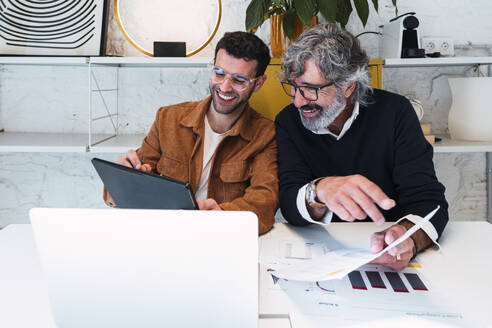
192, 21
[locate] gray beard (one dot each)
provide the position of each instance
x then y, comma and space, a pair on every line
326, 115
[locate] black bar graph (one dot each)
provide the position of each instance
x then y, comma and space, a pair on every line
375, 279
356, 280
415, 281
396, 282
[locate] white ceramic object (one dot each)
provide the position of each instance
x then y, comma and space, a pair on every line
417, 106
470, 116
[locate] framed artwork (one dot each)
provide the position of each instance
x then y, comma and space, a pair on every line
53, 27
145, 22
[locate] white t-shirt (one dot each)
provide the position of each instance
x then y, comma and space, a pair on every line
210, 142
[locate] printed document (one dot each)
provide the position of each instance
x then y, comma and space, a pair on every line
335, 264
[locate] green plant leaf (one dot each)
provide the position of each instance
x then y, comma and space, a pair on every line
362, 10
375, 3
289, 23
396, 7
344, 8
255, 13
305, 10
328, 9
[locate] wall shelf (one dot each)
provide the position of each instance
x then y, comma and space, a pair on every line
77, 143
442, 61
204, 61
43, 142
49, 61
448, 145
151, 61
109, 61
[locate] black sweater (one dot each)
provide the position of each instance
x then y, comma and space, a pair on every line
385, 144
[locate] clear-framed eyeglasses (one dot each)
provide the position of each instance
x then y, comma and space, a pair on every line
308, 92
238, 82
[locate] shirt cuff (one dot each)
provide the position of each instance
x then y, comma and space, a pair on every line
301, 207
427, 227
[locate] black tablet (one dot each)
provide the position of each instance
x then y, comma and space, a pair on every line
131, 188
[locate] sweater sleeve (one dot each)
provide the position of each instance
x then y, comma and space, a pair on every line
414, 176
293, 172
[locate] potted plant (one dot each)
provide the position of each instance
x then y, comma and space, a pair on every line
290, 11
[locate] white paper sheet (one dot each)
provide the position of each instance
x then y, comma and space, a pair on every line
335, 264
380, 319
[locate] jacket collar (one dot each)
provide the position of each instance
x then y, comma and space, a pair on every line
195, 120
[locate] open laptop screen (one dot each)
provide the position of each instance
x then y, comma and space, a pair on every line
149, 268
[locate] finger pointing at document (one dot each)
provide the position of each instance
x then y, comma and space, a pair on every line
353, 197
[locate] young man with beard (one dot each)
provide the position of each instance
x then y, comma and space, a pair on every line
347, 153
220, 145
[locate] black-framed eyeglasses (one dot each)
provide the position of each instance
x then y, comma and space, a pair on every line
308, 92
238, 81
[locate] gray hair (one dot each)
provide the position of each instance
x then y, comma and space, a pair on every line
337, 54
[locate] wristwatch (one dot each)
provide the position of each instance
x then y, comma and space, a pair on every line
311, 197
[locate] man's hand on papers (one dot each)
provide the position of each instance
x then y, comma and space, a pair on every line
353, 197
396, 258
131, 160
208, 205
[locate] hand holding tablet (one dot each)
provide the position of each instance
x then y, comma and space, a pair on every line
138, 188
132, 160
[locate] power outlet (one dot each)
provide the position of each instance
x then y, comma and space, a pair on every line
435, 44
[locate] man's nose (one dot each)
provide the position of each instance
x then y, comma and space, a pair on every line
299, 100
226, 85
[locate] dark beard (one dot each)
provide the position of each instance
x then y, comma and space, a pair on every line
239, 104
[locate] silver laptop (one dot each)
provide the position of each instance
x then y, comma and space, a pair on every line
149, 268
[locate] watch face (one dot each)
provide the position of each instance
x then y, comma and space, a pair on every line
311, 192
311, 196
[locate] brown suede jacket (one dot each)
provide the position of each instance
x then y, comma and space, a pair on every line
243, 176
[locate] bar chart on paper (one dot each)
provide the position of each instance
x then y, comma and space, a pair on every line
377, 280
368, 279
395, 280
369, 291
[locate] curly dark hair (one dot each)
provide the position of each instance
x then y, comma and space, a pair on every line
245, 45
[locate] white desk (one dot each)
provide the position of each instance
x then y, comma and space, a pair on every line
461, 273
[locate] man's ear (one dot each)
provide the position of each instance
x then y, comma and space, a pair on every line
260, 82
350, 89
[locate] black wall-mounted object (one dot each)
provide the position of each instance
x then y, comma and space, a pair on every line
169, 49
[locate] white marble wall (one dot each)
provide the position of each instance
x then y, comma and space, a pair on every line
54, 99
47, 179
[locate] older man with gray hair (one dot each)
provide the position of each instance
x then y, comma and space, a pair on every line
347, 152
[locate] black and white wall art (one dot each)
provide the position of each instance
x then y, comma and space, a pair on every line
53, 27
